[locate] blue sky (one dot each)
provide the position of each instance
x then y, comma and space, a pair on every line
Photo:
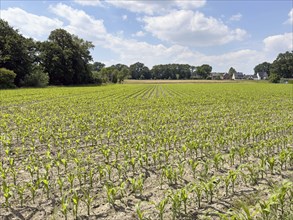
224, 34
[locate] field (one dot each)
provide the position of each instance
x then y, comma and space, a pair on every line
147, 151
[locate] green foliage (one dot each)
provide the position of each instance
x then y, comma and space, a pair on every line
6, 78
204, 71
231, 72
171, 71
263, 67
37, 78
283, 65
73, 150
16, 51
123, 74
274, 78
65, 58
96, 66
139, 71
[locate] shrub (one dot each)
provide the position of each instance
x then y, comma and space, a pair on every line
7, 78
274, 78
96, 77
38, 78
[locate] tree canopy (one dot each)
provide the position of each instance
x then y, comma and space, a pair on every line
65, 58
139, 71
283, 65
16, 52
263, 67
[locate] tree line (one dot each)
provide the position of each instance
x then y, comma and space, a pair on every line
65, 59
281, 67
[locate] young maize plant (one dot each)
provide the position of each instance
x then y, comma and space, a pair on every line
88, 199
75, 200
210, 188
7, 193
139, 212
161, 206
193, 165
111, 192
271, 163
176, 203
232, 176
184, 198
64, 206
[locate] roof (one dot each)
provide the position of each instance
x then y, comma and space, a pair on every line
262, 74
238, 75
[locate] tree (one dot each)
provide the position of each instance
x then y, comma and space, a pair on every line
283, 65
263, 67
119, 66
37, 78
123, 74
274, 78
15, 52
66, 58
231, 72
139, 71
204, 70
96, 66
6, 78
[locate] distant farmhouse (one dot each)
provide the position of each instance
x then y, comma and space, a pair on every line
217, 76
237, 75
261, 76
249, 77
226, 76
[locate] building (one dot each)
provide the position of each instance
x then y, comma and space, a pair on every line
217, 76
262, 76
237, 75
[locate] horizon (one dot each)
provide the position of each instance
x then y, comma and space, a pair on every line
222, 34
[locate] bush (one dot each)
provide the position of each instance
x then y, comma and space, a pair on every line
274, 78
96, 77
7, 78
38, 78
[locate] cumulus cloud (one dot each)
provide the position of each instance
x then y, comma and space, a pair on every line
89, 2
290, 20
129, 51
236, 17
273, 45
190, 28
146, 6
80, 23
139, 34
30, 24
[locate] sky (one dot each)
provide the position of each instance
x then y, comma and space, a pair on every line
223, 34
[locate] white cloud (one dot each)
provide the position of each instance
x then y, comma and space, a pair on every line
80, 23
30, 24
190, 28
139, 34
290, 20
273, 45
129, 51
236, 17
89, 2
156, 7
124, 17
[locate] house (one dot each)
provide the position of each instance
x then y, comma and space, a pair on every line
226, 76
217, 76
237, 75
262, 75
248, 77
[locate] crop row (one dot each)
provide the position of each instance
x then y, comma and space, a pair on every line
150, 151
